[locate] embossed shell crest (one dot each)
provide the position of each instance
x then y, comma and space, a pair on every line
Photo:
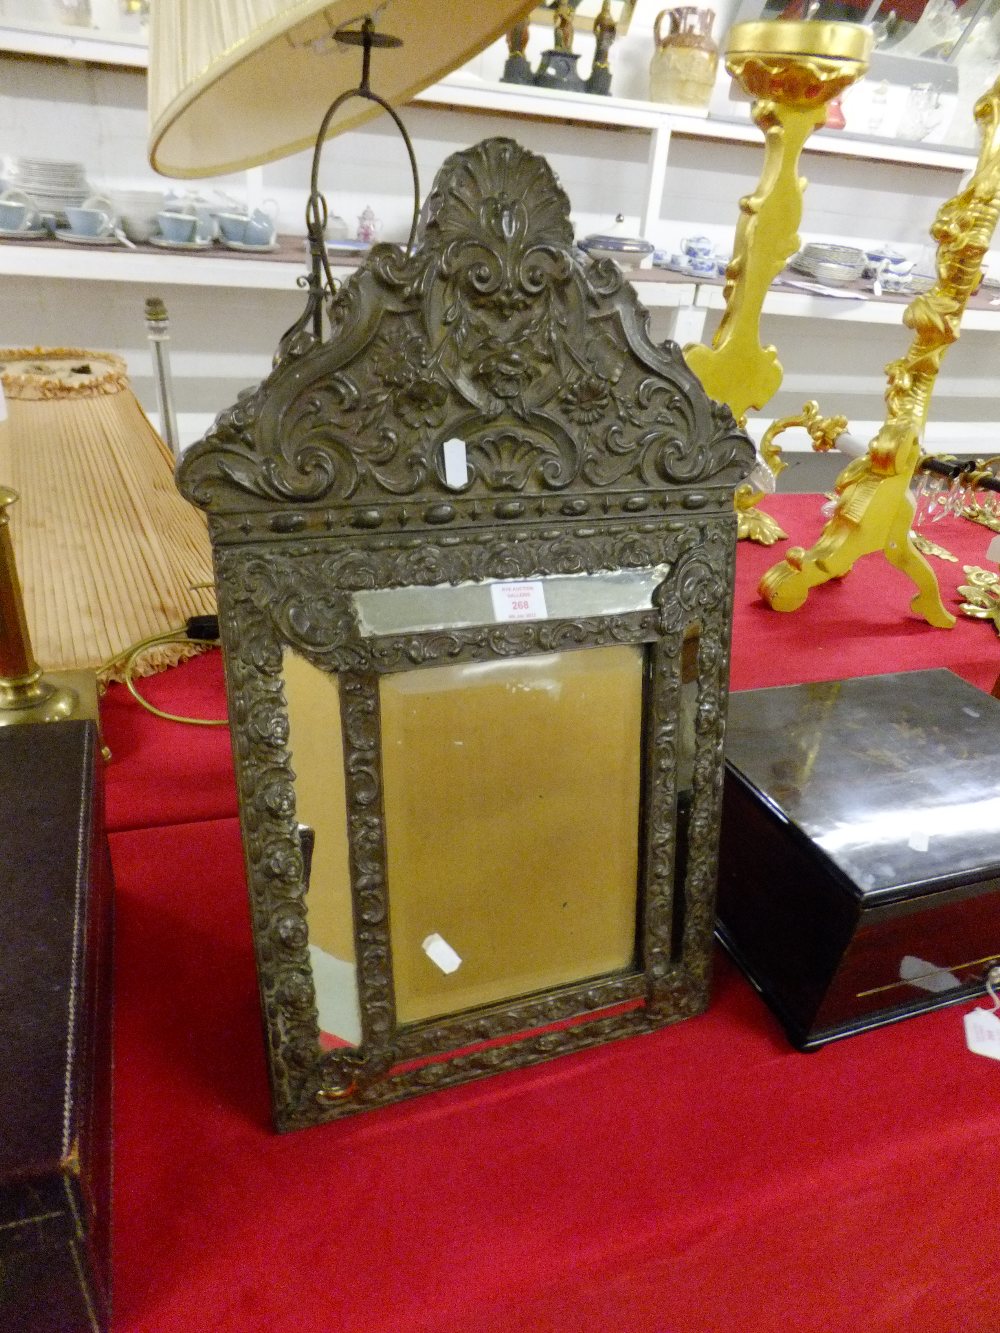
495, 331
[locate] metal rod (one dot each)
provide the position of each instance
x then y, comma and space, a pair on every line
17, 662
316, 208
158, 327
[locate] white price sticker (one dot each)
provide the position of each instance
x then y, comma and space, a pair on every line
456, 463
440, 952
982, 1033
926, 976
993, 551
524, 600
763, 478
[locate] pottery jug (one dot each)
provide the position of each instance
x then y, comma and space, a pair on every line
684, 62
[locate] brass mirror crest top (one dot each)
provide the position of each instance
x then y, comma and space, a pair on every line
495, 332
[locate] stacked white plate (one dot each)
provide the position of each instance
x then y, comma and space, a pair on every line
53, 185
835, 265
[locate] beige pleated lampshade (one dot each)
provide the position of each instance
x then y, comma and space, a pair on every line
233, 83
107, 551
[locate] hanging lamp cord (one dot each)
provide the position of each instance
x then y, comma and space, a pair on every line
198, 629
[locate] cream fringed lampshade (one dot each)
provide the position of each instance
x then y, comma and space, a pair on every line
107, 551
233, 83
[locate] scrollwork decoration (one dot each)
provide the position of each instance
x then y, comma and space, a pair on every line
495, 326
587, 449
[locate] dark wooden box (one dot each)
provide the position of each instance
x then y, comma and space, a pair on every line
859, 873
55, 1031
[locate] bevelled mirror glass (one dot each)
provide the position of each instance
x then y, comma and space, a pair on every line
474, 554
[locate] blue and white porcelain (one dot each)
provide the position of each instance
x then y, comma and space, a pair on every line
701, 266
884, 261
699, 247
629, 251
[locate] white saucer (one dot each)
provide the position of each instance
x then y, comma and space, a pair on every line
35, 234
347, 249
64, 234
249, 247
165, 243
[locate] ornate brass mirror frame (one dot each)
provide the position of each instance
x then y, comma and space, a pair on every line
584, 448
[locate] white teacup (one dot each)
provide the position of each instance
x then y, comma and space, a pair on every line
138, 227
207, 228
233, 226
13, 215
894, 282
256, 228
260, 228
18, 212
703, 265
136, 211
90, 221
181, 228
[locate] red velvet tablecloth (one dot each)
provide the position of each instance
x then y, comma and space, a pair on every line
702, 1179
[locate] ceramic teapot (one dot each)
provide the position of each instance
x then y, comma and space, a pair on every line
684, 62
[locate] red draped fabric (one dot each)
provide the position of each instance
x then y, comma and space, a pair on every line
703, 1179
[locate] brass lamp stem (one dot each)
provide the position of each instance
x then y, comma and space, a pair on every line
20, 674
25, 694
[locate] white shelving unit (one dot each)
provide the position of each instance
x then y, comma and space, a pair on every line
672, 174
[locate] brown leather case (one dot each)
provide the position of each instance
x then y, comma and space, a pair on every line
55, 1032
859, 877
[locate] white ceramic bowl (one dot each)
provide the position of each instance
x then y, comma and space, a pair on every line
137, 210
628, 251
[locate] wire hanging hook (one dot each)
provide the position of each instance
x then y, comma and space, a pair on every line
317, 212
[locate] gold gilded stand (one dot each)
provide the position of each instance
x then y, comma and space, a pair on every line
874, 509
25, 694
792, 70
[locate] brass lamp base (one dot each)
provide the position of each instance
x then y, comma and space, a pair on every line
26, 695
57, 697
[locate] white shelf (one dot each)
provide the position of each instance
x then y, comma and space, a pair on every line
460, 91
121, 265
165, 269
95, 47
841, 310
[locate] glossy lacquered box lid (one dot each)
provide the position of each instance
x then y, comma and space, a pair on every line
895, 778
